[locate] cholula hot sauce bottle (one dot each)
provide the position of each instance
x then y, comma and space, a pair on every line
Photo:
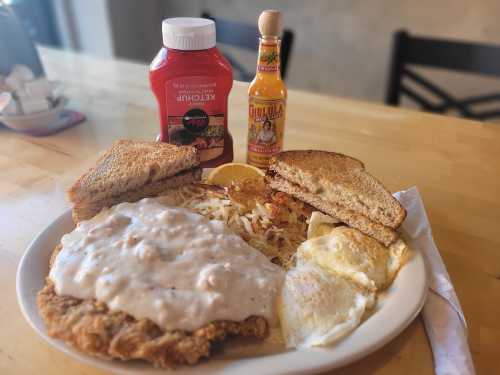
267, 95
191, 81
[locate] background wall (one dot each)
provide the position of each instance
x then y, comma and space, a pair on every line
84, 26
342, 47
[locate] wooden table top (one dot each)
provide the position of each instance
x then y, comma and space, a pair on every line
454, 163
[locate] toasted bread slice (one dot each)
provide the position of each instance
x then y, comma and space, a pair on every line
131, 170
341, 180
87, 210
381, 233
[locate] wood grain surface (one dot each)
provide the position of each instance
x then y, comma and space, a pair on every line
454, 163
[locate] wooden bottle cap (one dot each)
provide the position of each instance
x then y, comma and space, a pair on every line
270, 23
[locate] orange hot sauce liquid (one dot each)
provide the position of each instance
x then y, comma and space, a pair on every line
267, 106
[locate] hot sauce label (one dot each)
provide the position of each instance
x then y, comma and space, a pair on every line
266, 123
196, 115
268, 58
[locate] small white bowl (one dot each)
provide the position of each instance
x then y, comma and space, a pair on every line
38, 123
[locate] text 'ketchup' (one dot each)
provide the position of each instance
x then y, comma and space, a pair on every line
191, 81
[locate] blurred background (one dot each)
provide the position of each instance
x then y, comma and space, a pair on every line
340, 47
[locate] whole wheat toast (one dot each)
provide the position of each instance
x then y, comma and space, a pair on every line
87, 210
384, 235
130, 170
339, 185
341, 179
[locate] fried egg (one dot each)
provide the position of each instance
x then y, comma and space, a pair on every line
320, 224
318, 308
350, 253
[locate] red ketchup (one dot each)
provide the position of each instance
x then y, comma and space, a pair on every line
191, 81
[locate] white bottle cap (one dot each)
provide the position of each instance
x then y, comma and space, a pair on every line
188, 33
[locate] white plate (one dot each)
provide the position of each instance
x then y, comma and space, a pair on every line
396, 308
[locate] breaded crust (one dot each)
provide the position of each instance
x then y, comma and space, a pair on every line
89, 326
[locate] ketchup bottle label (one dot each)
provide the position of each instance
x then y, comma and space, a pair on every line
196, 114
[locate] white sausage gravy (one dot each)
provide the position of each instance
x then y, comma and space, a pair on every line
175, 267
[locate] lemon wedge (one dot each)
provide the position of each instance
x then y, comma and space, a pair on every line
225, 174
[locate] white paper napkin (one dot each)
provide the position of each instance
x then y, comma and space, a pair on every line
443, 317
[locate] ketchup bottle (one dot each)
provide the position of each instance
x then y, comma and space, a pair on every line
191, 81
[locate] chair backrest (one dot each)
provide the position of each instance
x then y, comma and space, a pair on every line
246, 36
463, 57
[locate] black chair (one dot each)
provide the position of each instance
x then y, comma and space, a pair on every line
246, 36
453, 55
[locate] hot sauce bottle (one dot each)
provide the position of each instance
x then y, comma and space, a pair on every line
267, 95
191, 80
